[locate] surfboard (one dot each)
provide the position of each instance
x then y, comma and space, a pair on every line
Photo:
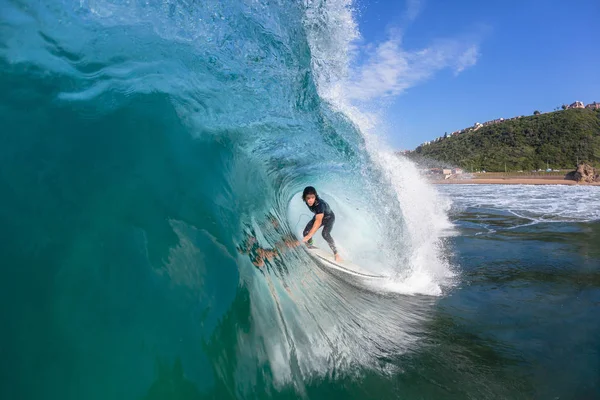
327, 260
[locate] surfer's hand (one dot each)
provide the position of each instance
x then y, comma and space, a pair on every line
306, 238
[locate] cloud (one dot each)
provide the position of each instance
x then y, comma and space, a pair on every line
413, 9
467, 59
390, 69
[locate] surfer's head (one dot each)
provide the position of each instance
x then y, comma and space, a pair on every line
310, 195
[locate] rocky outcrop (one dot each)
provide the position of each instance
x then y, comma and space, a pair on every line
586, 174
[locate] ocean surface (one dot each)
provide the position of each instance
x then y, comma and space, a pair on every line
152, 153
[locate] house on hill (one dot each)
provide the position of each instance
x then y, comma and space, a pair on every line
577, 104
593, 106
494, 121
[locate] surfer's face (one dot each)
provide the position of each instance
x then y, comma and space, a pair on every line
310, 199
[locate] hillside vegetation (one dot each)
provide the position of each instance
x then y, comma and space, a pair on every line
559, 138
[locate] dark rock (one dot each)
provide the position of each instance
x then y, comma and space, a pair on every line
586, 174
570, 176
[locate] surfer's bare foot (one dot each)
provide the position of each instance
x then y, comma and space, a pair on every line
338, 258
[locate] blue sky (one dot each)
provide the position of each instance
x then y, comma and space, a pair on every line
443, 65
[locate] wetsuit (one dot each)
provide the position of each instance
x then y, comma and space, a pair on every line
321, 207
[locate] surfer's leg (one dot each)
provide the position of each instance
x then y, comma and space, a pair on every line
327, 227
307, 229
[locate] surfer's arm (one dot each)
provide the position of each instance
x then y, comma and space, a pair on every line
315, 228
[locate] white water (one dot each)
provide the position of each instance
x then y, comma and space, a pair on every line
424, 211
551, 203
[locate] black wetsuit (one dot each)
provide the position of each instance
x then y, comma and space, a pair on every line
321, 207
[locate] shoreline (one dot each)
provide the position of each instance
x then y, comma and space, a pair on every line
512, 181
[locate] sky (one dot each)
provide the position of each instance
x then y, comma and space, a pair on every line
438, 66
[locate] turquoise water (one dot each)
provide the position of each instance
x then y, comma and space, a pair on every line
145, 143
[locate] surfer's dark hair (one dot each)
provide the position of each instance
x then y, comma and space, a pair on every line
309, 190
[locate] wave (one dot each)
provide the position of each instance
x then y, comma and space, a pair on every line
163, 145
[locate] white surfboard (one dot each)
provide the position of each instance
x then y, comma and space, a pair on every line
327, 260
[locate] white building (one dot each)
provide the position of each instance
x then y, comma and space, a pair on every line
577, 104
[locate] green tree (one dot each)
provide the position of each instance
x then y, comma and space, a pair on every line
536, 112
525, 143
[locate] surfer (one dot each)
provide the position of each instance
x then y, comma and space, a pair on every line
323, 217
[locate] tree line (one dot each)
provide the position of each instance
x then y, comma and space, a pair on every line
559, 139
